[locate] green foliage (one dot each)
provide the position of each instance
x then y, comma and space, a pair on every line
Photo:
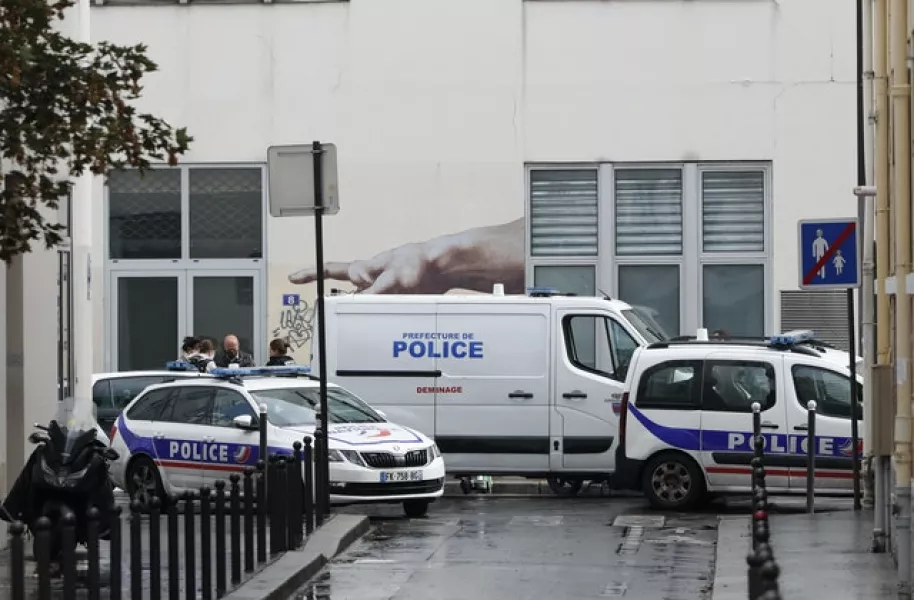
65, 109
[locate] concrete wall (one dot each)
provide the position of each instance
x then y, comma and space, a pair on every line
437, 105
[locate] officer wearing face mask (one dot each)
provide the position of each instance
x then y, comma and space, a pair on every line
232, 355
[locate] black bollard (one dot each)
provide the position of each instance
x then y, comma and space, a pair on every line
68, 552
17, 561
174, 565
281, 502
308, 460
92, 556
221, 584
190, 548
116, 545
755, 588
770, 573
136, 550
811, 456
249, 520
43, 556
296, 497
261, 512
235, 524
155, 547
206, 545
273, 500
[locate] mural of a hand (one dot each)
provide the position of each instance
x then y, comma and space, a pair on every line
471, 260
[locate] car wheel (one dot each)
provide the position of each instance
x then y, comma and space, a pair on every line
144, 482
415, 509
673, 481
565, 487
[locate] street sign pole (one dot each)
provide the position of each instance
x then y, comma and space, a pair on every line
320, 434
303, 182
835, 241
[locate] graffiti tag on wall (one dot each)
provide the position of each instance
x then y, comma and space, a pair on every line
295, 325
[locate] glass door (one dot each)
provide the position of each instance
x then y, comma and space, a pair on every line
227, 302
147, 318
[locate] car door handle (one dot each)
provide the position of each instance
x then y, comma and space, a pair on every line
158, 436
520, 394
770, 425
801, 428
575, 395
209, 439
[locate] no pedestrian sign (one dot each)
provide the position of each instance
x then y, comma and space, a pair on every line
829, 254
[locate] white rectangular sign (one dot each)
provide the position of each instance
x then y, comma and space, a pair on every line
291, 185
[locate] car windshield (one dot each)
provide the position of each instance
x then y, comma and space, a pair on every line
290, 407
645, 324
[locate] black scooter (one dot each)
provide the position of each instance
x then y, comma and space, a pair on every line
67, 473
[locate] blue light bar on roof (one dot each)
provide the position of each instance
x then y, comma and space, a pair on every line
542, 291
179, 365
253, 371
792, 338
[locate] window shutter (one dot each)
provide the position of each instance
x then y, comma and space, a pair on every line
733, 211
822, 311
563, 212
648, 212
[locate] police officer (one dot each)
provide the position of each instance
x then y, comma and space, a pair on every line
279, 354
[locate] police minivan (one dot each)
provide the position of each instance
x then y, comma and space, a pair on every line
686, 419
188, 433
505, 384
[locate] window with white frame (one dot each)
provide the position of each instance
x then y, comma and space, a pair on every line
685, 243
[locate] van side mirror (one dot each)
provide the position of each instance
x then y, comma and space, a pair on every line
244, 422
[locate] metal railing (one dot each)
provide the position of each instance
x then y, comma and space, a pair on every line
763, 569
260, 514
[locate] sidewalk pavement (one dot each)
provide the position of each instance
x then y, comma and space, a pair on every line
825, 555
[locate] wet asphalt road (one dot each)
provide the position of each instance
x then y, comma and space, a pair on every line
526, 549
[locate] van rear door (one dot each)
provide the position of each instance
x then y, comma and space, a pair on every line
593, 352
492, 413
384, 353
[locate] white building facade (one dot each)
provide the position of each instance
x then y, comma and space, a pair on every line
661, 152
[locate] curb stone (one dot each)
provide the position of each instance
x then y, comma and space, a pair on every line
294, 568
730, 569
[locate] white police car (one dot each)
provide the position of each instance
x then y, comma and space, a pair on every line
686, 419
188, 433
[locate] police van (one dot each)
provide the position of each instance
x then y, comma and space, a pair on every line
188, 433
686, 418
505, 384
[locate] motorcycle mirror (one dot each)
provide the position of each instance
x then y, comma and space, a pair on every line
37, 438
111, 454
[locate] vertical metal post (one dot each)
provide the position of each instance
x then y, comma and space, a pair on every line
249, 520
221, 585
136, 550
855, 426
155, 548
262, 429
69, 556
281, 503
206, 545
92, 557
190, 548
174, 564
17, 561
320, 433
261, 512
116, 546
296, 497
43, 557
811, 456
235, 527
308, 459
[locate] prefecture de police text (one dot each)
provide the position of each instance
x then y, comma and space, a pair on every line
438, 345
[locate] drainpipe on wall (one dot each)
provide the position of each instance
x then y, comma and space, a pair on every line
881, 178
901, 137
867, 221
